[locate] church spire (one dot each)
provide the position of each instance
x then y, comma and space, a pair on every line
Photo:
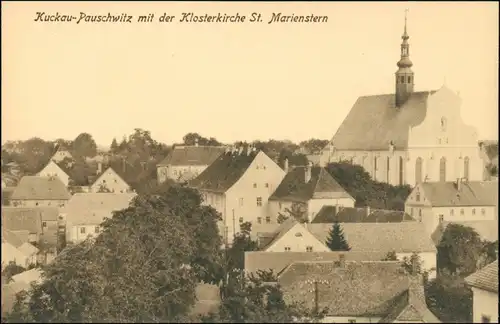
404, 75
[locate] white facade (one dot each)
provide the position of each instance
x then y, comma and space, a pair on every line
111, 181
179, 172
485, 306
53, 170
79, 233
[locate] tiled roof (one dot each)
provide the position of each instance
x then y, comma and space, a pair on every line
28, 249
374, 121
193, 155
277, 261
486, 278
223, 173
91, 208
330, 214
40, 188
403, 237
23, 219
109, 169
321, 185
471, 193
355, 289
10, 253
487, 229
12, 238
29, 276
46, 213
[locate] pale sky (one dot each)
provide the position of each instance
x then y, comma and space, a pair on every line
235, 81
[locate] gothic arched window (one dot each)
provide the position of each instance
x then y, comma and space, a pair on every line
401, 170
418, 170
466, 167
442, 169
443, 124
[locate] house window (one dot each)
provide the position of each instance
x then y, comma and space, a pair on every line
461, 212
441, 218
259, 220
96, 229
36, 204
267, 185
402, 77
268, 219
473, 211
259, 201
44, 224
418, 170
287, 248
82, 230
485, 319
420, 215
309, 249
483, 211
264, 167
103, 181
417, 196
241, 202
241, 220
452, 212
409, 79
442, 169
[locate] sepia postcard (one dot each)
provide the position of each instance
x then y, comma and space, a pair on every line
236, 162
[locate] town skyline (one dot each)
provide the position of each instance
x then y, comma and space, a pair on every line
258, 82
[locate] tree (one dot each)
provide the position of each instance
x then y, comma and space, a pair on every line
114, 146
391, 256
459, 250
142, 267
336, 240
297, 211
313, 145
192, 138
253, 300
11, 270
242, 243
84, 146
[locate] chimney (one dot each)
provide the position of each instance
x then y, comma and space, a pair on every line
308, 172
240, 150
368, 211
99, 167
286, 165
459, 184
391, 147
342, 260
249, 149
195, 142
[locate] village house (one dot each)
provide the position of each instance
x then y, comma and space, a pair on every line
60, 155
484, 286
35, 225
357, 291
304, 191
20, 282
238, 184
434, 202
85, 212
408, 136
52, 169
185, 163
403, 238
331, 214
40, 191
109, 181
17, 251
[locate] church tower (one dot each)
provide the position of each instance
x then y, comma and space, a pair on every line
404, 75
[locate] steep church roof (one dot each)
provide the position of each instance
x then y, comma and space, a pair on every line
192, 155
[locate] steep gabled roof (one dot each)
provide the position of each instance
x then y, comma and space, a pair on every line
192, 155
321, 185
330, 214
403, 237
471, 193
364, 289
374, 121
283, 228
486, 278
224, 172
277, 261
24, 219
40, 188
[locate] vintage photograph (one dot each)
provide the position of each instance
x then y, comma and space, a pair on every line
239, 162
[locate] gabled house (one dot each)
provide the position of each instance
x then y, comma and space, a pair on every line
403, 238
52, 169
187, 162
357, 291
86, 211
484, 285
305, 190
330, 214
434, 202
16, 250
60, 155
238, 184
110, 181
40, 191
